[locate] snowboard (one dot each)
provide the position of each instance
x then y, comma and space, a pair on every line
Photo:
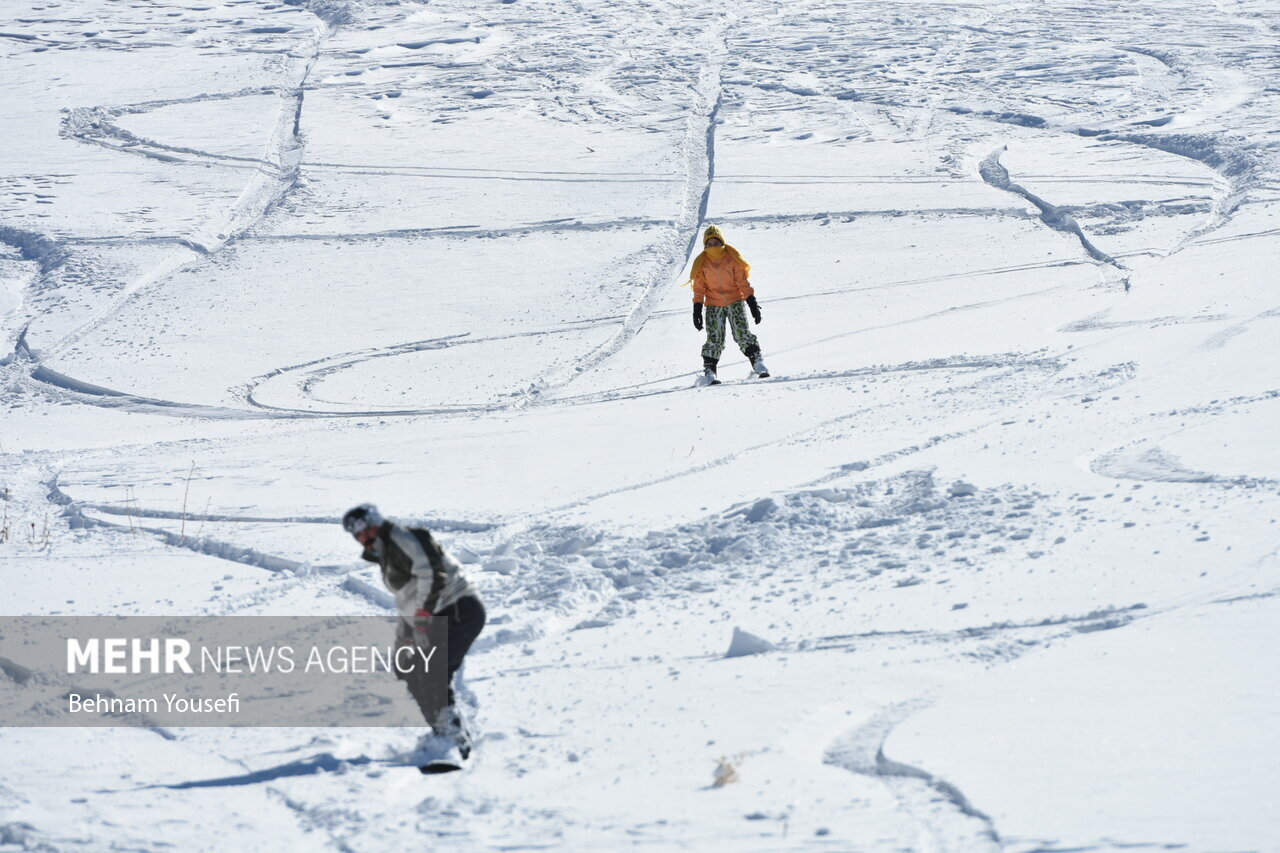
440, 765
447, 760
701, 381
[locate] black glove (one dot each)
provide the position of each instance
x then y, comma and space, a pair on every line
755, 309
697, 316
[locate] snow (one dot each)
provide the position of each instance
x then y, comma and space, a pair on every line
1124, 701
989, 564
745, 643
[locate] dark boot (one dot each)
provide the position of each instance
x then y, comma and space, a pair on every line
757, 362
709, 371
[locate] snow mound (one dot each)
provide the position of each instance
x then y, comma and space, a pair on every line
745, 643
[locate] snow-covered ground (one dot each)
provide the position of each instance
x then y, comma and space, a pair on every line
1006, 515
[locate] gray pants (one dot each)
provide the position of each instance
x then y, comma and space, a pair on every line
735, 316
454, 628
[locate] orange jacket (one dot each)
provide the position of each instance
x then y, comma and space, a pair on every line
721, 282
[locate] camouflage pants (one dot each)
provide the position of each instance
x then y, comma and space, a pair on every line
736, 316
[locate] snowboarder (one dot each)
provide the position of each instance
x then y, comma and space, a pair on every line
719, 279
435, 603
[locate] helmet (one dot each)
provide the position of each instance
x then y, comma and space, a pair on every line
360, 518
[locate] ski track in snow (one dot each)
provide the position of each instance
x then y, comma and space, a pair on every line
274, 176
700, 168
268, 185
998, 176
948, 820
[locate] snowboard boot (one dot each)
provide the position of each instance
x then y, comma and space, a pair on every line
451, 729
709, 372
438, 754
757, 364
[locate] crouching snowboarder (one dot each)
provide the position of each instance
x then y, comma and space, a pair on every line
720, 283
435, 604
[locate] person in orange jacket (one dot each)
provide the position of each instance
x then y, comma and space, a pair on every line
720, 283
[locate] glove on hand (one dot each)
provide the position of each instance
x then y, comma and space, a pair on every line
755, 309
421, 624
697, 316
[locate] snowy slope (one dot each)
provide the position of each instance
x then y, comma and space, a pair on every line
1006, 515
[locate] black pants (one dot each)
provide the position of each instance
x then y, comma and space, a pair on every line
457, 626
465, 620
